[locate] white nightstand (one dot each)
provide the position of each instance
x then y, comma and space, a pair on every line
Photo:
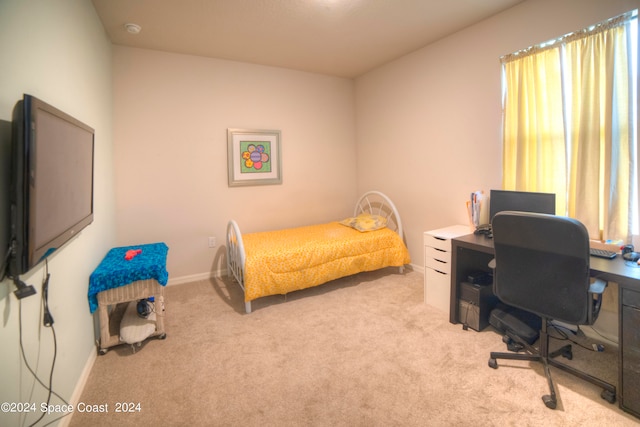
437, 265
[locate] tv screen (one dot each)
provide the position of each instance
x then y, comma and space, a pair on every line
52, 181
524, 201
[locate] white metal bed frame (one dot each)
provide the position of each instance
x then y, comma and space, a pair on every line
372, 202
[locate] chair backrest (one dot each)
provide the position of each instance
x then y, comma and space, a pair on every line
542, 265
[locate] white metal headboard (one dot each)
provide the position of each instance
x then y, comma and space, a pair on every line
377, 203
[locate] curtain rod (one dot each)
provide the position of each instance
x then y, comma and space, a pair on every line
575, 35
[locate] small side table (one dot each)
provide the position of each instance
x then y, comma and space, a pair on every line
117, 281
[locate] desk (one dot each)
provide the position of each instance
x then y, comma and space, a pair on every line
472, 253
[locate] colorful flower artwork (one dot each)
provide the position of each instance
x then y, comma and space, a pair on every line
256, 156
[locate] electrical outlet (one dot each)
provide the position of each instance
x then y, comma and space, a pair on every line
212, 242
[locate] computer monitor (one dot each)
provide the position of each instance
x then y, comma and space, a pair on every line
524, 201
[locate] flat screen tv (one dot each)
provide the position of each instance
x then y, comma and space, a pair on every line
51, 192
524, 201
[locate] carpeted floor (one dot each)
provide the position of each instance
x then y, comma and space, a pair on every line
360, 351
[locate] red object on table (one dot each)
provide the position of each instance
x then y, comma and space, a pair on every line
132, 253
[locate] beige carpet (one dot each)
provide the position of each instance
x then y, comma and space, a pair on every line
361, 351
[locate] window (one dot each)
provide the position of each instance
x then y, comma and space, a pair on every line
570, 125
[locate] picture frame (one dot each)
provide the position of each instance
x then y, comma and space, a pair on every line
254, 157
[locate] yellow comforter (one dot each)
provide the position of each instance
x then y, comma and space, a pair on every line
278, 262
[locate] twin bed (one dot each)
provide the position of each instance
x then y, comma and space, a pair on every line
282, 261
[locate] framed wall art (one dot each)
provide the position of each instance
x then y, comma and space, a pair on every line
254, 157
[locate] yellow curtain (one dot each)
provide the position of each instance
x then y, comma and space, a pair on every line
569, 125
600, 133
533, 126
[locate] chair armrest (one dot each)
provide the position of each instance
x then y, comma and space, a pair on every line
595, 289
598, 286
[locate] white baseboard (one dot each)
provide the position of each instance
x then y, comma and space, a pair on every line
418, 268
195, 277
82, 381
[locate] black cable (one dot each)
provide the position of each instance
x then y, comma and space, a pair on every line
47, 318
465, 324
602, 336
145, 307
24, 358
475, 311
53, 364
49, 388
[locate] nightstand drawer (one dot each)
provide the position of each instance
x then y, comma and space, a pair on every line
440, 255
436, 264
437, 242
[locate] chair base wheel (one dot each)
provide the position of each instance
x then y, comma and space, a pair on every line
549, 401
568, 354
493, 363
609, 396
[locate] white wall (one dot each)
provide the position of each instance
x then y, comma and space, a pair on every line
170, 134
57, 51
429, 124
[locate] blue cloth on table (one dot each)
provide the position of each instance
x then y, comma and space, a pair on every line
115, 271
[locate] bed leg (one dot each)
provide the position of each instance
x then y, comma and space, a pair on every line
401, 269
247, 307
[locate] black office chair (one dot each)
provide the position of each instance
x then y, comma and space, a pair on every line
542, 266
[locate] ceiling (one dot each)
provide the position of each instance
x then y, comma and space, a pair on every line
343, 38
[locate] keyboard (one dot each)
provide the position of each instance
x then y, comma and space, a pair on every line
603, 253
